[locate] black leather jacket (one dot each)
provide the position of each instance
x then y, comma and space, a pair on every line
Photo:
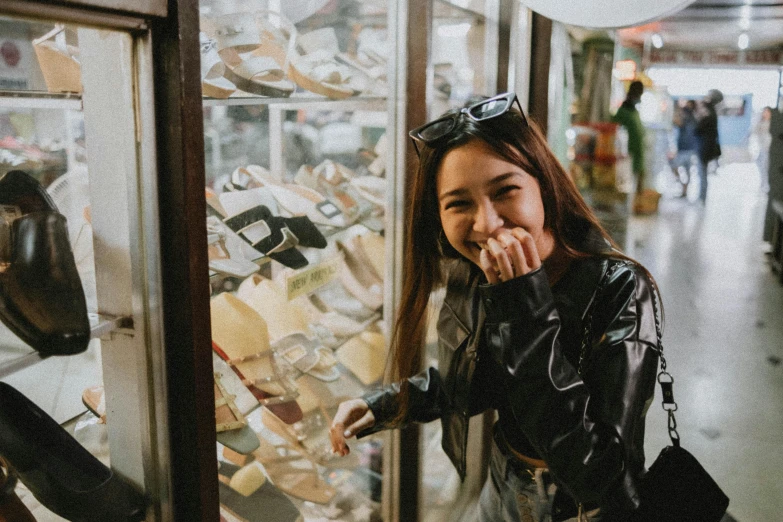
590, 432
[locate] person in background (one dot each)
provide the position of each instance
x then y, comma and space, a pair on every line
496, 219
707, 131
687, 144
628, 117
763, 140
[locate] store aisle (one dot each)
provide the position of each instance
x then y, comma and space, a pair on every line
723, 337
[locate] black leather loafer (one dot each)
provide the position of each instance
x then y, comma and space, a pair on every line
41, 296
57, 470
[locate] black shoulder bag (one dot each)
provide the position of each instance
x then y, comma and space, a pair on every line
676, 488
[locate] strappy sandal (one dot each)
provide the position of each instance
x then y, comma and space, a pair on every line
332, 180
241, 338
256, 74
59, 62
292, 473
296, 199
250, 216
359, 262
230, 425
308, 356
227, 415
236, 37
225, 260
310, 437
213, 84
371, 188
316, 70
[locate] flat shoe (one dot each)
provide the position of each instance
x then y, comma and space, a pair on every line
264, 503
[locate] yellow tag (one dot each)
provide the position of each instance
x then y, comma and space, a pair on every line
312, 279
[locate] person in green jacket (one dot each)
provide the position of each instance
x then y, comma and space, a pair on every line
628, 117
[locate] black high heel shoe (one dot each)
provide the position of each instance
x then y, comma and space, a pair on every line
41, 296
57, 470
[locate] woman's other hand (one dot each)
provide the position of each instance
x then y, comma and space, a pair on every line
352, 416
512, 254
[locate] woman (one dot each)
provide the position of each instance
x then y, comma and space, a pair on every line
526, 257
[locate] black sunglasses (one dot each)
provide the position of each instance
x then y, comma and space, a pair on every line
432, 132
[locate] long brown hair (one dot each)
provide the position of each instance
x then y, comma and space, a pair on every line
566, 215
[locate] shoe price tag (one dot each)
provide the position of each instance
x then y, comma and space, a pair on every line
8, 213
312, 279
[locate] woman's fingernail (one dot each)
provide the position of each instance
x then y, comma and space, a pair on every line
347, 433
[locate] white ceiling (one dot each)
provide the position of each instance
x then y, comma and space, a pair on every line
715, 24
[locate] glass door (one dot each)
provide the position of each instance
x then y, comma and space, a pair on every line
464, 61
299, 176
79, 271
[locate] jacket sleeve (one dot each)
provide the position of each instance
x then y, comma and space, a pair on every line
584, 435
424, 402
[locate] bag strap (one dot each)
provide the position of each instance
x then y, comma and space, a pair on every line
664, 377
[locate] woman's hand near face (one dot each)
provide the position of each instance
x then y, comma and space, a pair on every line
512, 254
352, 416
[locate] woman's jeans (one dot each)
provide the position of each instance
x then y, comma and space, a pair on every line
514, 493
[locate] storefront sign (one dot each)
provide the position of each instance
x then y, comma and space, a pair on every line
312, 279
605, 13
755, 57
15, 63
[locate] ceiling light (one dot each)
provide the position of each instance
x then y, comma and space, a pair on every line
744, 23
743, 41
657, 41
745, 11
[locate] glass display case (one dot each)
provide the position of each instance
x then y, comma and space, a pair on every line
296, 113
289, 242
79, 270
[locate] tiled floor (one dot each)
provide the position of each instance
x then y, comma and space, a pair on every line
723, 337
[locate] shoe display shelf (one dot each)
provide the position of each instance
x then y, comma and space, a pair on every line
101, 327
40, 100
306, 329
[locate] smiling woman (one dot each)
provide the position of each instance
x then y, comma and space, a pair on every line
491, 210
494, 216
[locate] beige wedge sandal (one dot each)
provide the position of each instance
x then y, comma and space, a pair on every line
308, 60
59, 62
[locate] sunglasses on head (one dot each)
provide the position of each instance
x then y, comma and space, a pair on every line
431, 133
